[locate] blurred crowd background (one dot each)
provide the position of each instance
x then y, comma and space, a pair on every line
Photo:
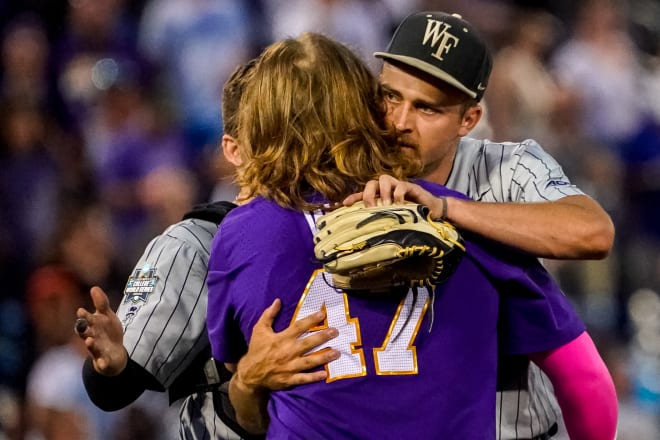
109, 128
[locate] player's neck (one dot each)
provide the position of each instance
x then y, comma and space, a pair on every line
439, 171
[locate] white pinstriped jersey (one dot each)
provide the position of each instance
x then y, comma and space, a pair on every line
514, 172
164, 317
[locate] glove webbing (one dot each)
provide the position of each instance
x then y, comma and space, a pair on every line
434, 252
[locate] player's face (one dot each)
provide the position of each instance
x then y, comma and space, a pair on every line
427, 118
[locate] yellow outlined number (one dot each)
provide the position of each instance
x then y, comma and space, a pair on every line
396, 356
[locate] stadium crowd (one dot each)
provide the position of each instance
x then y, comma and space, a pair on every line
109, 129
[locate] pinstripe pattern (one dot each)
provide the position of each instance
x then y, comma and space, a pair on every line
165, 333
515, 172
199, 408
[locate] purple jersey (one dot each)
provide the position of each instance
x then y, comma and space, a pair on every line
437, 349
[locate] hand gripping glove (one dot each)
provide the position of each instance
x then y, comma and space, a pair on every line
385, 247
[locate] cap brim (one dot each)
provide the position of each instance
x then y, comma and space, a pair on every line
427, 68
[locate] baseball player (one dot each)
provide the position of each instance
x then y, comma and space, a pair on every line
320, 116
157, 340
434, 74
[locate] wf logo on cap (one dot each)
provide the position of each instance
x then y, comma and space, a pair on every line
437, 31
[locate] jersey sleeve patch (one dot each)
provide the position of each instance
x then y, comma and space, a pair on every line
140, 285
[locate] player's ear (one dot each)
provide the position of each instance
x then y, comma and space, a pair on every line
470, 119
231, 150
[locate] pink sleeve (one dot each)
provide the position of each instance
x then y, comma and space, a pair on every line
584, 388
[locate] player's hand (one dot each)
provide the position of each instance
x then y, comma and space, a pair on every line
388, 190
275, 361
103, 335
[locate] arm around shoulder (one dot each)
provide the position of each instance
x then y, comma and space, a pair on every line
574, 227
592, 230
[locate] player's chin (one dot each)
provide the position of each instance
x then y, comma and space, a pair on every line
414, 160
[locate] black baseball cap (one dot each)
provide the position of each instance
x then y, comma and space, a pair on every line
444, 46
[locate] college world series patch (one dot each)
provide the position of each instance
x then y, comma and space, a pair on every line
140, 285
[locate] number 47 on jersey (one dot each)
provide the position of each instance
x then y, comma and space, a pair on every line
396, 356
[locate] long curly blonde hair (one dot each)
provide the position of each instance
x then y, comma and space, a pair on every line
310, 121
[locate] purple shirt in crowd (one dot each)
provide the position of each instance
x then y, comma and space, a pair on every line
414, 366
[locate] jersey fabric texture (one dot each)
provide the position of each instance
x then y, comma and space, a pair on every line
163, 313
508, 172
515, 172
439, 349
